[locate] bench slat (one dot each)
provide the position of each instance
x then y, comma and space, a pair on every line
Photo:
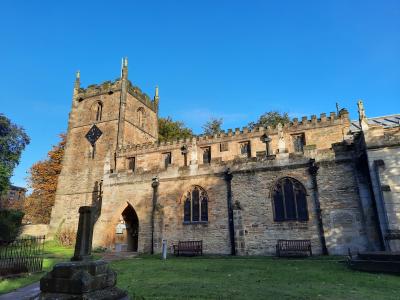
189, 248
293, 247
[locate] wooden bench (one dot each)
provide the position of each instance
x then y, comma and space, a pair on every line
293, 248
188, 248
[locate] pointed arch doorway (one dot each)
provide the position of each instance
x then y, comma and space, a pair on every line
132, 228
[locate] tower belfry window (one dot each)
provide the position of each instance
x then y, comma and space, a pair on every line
140, 117
99, 111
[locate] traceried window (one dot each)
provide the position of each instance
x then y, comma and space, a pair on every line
131, 163
167, 159
298, 142
206, 155
140, 117
195, 206
245, 149
289, 200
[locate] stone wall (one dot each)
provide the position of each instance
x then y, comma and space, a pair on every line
35, 230
383, 150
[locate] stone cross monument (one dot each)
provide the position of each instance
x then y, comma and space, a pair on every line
84, 236
81, 278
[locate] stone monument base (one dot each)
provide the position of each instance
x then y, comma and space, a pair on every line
80, 280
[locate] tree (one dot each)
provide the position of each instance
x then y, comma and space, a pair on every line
13, 141
212, 126
271, 118
43, 177
169, 130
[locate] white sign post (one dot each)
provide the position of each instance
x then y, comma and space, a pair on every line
164, 249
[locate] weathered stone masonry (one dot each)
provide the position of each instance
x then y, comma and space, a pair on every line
239, 180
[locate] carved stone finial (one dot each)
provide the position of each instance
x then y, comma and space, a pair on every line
155, 182
156, 92
78, 75
362, 116
281, 139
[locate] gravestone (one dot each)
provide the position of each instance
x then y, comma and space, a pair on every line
82, 277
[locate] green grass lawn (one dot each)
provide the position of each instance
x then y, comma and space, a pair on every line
250, 278
148, 277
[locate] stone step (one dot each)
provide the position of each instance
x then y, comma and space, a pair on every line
392, 267
380, 255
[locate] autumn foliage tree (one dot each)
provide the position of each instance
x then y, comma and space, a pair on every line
42, 179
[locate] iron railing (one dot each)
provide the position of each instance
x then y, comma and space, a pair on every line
21, 255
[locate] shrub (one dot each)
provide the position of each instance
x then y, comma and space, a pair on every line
10, 224
66, 236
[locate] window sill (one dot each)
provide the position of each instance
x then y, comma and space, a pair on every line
291, 221
195, 223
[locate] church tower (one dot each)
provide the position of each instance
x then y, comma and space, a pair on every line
103, 118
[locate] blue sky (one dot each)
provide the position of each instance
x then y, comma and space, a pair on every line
229, 59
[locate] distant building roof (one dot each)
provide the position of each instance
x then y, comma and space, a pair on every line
385, 121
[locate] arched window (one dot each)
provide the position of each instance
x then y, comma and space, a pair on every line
289, 200
99, 111
195, 205
140, 116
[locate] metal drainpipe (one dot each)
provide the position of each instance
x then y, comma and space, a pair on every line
384, 224
313, 170
228, 178
155, 183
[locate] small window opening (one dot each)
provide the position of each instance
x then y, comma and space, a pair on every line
298, 142
167, 159
206, 155
131, 163
140, 116
223, 147
99, 111
245, 149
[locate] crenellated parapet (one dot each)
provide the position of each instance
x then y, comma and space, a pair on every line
142, 97
245, 132
107, 87
304, 138
110, 87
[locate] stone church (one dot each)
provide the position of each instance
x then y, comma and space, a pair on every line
325, 179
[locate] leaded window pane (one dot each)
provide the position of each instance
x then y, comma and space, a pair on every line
290, 205
195, 205
186, 216
204, 209
278, 204
302, 211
